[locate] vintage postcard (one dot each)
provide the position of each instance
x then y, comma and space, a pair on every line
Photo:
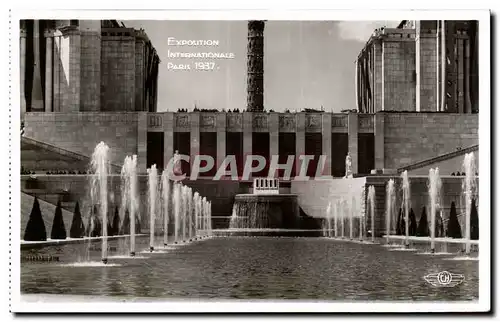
250, 161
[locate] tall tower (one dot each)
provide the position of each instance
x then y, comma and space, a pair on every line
255, 66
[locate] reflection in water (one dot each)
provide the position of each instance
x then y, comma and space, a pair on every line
256, 268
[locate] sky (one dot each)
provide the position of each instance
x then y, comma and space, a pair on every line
307, 64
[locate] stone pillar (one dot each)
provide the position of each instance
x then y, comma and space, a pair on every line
49, 49
426, 64
73, 102
377, 74
22, 61
247, 136
168, 138
300, 140
274, 135
56, 84
221, 138
90, 65
326, 134
142, 142
37, 103
379, 123
352, 130
255, 66
194, 121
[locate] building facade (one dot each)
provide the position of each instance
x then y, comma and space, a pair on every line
422, 66
71, 66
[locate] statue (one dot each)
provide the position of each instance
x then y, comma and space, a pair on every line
177, 163
348, 166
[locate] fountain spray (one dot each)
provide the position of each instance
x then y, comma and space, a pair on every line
100, 167
351, 214
129, 195
177, 209
389, 207
342, 203
184, 212
335, 218
406, 205
468, 190
371, 202
165, 184
196, 198
190, 213
434, 186
152, 188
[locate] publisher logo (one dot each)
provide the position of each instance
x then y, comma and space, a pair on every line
444, 279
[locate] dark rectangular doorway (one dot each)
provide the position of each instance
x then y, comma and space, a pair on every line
155, 148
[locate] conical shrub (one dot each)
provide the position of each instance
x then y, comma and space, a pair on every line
439, 230
77, 227
474, 221
413, 223
58, 229
116, 223
423, 224
453, 229
125, 227
35, 229
398, 222
94, 226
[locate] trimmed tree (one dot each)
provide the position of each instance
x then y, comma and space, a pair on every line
116, 223
77, 227
94, 225
439, 225
58, 229
398, 222
474, 221
125, 228
423, 225
453, 229
35, 229
413, 223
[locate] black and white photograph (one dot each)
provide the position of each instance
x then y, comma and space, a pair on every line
238, 162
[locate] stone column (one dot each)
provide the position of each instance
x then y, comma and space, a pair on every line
426, 63
22, 61
74, 88
37, 103
168, 138
274, 136
56, 87
255, 66
194, 121
49, 51
326, 134
142, 142
221, 138
379, 123
247, 136
352, 130
300, 140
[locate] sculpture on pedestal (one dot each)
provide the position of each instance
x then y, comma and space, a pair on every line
348, 166
177, 163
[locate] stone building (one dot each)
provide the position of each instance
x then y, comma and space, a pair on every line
66, 108
72, 66
422, 66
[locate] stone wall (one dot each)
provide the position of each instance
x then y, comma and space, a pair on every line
314, 195
399, 81
90, 65
414, 137
118, 61
81, 132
